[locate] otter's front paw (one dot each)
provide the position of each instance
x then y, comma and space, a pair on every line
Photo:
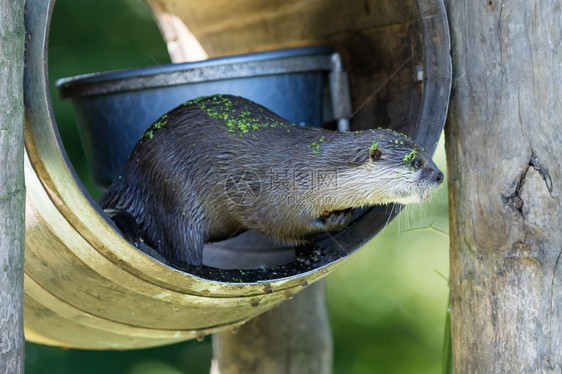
336, 220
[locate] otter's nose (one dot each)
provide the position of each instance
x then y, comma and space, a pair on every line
439, 177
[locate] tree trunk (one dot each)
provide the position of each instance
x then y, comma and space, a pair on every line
504, 147
12, 189
295, 337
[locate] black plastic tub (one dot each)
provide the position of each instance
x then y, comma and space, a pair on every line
113, 109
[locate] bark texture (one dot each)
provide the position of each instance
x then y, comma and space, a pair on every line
12, 190
504, 144
293, 338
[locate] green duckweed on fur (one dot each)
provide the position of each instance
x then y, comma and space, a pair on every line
315, 148
410, 156
316, 145
162, 121
238, 122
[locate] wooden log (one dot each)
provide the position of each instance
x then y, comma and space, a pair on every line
503, 140
294, 337
12, 187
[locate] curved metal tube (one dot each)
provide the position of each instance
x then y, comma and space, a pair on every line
86, 287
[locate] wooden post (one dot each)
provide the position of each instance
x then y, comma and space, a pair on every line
504, 147
295, 337
12, 189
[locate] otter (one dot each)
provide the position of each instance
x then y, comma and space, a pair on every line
219, 165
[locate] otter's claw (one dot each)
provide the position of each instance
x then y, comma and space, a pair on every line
335, 221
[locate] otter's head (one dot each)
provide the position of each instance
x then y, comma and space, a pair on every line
387, 167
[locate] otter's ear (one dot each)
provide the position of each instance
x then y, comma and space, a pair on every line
361, 155
375, 154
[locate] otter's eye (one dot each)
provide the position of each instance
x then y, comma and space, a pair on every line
417, 163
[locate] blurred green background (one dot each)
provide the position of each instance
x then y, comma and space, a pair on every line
373, 331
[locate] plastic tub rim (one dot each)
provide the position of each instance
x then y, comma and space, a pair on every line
316, 58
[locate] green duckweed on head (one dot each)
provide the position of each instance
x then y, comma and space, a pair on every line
374, 146
410, 156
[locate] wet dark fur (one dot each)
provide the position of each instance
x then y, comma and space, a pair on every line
180, 180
